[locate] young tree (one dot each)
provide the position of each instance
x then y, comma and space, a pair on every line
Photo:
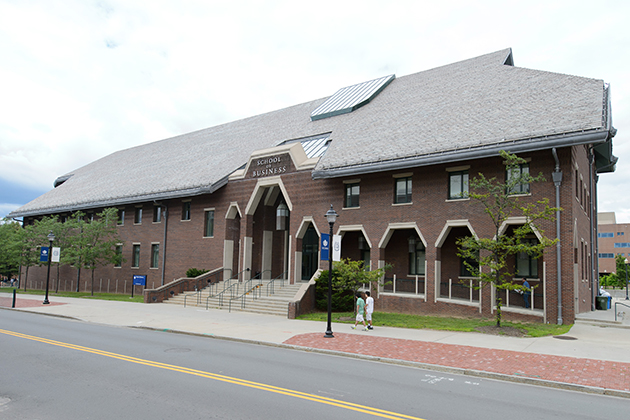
489, 258
620, 277
96, 244
9, 248
349, 276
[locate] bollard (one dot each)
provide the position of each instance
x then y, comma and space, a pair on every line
13, 304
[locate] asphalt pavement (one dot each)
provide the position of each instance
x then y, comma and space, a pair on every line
594, 356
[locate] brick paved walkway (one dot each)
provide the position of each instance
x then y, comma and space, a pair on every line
585, 372
6, 302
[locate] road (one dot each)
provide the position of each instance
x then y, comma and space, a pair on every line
54, 368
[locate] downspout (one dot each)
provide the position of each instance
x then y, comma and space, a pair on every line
557, 181
165, 215
593, 229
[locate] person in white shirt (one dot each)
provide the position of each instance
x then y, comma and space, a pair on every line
369, 308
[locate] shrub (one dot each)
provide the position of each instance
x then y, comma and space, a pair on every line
341, 300
195, 272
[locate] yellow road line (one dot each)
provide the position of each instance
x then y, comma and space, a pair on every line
243, 382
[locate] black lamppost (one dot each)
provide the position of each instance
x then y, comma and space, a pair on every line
51, 238
331, 215
626, 261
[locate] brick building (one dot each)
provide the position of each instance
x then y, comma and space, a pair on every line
393, 156
613, 239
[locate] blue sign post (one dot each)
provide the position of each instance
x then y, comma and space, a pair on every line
138, 280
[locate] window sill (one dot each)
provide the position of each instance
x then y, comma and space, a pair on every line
453, 200
185, 220
403, 204
465, 302
208, 237
351, 208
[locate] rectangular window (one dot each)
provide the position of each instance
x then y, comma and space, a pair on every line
155, 255
121, 217
622, 245
605, 234
118, 262
515, 179
606, 255
135, 261
458, 185
137, 216
417, 259
186, 210
620, 233
402, 190
157, 214
208, 229
352, 195
526, 265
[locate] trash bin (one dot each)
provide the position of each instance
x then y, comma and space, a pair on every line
601, 303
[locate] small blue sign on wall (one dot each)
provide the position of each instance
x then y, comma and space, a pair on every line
43, 254
325, 246
139, 280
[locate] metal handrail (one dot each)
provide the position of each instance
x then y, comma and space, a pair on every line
622, 304
196, 293
203, 277
271, 284
246, 291
226, 287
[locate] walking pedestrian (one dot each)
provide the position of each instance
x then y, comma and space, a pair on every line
369, 308
360, 312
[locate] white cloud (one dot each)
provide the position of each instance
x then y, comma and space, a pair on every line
84, 79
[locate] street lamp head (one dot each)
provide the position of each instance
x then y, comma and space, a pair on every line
51, 237
626, 261
331, 215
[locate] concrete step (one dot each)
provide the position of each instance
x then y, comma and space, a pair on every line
275, 304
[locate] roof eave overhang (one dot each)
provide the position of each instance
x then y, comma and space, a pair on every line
458, 155
116, 202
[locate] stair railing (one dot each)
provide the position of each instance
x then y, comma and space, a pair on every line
271, 285
252, 286
230, 288
201, 281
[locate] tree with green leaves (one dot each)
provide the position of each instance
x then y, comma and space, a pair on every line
489, 258
620, 275
9, 248
348, 277
95, 244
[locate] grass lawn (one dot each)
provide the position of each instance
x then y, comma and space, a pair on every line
385, 319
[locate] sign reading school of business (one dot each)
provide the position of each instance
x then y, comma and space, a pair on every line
270, 165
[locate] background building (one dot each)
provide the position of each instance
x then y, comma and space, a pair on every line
613, 239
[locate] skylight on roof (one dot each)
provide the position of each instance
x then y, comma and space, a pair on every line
350, 98
313, 146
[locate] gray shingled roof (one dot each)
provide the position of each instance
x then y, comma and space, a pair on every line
444, 114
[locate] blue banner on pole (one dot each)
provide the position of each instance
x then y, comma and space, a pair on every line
139, 280
325, 246
43, 254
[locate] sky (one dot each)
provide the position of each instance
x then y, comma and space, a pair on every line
81, 79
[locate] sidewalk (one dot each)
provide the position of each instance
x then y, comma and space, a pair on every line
590, 358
